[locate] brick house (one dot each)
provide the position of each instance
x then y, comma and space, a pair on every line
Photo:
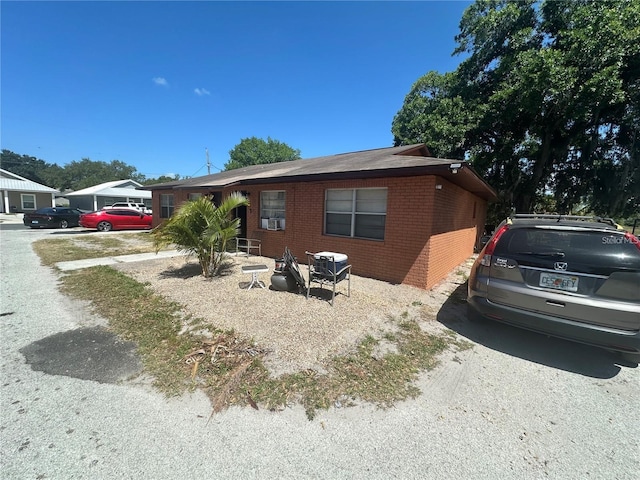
400, 215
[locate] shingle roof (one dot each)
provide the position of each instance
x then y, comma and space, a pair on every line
11, 181
392, 161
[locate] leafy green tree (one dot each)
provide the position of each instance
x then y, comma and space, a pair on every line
161, 179
203, 230
256, 151
53, 175
434, 114
31, 168
75, 175
86, 173
549, 99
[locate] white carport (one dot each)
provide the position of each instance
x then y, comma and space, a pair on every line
96, 197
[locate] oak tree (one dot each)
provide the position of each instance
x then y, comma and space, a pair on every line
547, 102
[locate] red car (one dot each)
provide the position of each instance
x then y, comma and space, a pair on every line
116, 219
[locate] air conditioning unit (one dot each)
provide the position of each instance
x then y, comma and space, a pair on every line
273, 224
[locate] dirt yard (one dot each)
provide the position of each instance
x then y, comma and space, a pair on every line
299, 333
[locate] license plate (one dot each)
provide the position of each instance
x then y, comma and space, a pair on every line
567, 283
34, 221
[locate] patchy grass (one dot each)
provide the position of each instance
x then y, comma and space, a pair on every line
230, 368
136, 314
183, 353
52, 251
463, 275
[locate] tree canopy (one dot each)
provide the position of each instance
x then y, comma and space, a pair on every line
256, 151
86, 173
547, 103
29, 167
75, 175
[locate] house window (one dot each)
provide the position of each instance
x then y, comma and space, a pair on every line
166, 205
272, 209
358, 213
194, 196
28, 201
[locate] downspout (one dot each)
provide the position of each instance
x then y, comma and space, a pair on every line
53, 200
95, 203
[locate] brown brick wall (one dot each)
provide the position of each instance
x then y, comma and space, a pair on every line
179, 197
428, 231
455, 230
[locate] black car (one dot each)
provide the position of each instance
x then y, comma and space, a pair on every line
60, 217
572, 277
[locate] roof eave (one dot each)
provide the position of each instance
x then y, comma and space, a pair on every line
465, 177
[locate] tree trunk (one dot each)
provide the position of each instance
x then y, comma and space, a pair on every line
527, 199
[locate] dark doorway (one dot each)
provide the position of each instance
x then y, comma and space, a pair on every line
241, 213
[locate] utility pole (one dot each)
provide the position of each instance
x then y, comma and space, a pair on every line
208, 162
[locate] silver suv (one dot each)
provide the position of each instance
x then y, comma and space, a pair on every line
571, 277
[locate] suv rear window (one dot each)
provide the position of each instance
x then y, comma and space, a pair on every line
611, 249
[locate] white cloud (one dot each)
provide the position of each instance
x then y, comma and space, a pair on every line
160, 81
201, 91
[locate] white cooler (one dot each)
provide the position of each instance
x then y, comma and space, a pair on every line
340, 260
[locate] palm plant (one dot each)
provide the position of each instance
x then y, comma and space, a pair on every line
202, 229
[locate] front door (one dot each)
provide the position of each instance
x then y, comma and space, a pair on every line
241, 213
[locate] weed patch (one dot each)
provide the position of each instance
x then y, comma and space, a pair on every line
230, 369
183, 353
52, 251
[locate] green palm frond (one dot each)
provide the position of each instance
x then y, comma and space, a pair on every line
201, 229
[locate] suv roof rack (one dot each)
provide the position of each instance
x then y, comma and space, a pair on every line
560, 218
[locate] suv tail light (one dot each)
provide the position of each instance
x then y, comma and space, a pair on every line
491, 246
631, 238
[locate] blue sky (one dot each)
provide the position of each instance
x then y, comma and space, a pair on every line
155, 83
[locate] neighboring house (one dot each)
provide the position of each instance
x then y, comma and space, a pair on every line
61, 198
399, 214
20, 195
105, 194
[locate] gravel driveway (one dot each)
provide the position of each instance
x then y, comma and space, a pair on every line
517, 405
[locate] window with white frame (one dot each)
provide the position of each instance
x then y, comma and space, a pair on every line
194, 196
166, 205
272, 209
28, 201
360, 213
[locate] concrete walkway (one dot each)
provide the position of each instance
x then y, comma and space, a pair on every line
16, 218
11, 217
137, 257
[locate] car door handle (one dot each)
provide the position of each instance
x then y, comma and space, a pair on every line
555, 304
